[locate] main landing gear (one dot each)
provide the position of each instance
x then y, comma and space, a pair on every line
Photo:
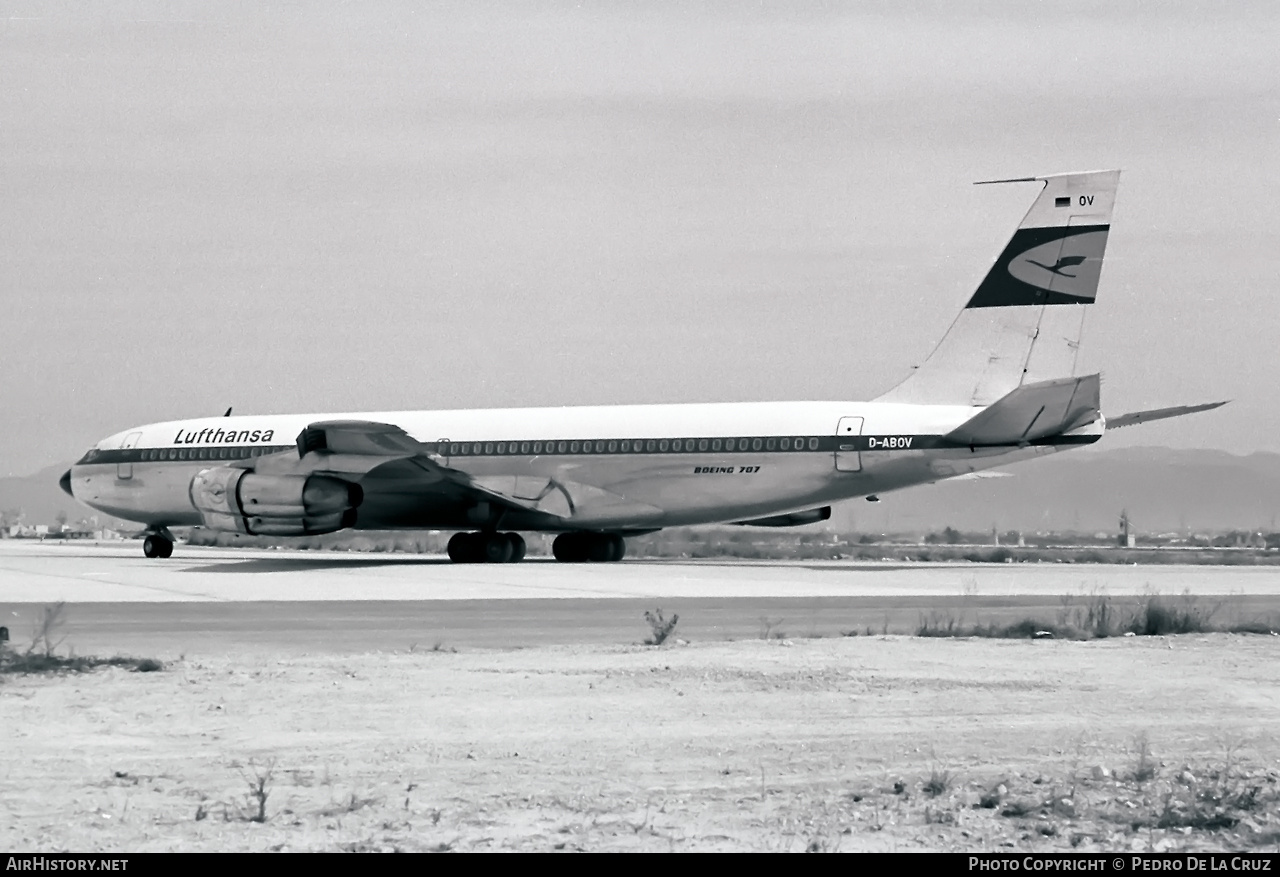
589, 547
158, 545
486, 548
509, 548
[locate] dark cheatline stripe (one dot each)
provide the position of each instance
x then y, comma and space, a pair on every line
1001, 289
789, 444
222, 454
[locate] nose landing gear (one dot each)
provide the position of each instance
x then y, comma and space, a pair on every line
158, 545
486, 548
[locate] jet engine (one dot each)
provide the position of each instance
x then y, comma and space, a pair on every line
241, 501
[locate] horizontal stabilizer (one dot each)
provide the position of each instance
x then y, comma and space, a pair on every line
1033, 411
1135, 417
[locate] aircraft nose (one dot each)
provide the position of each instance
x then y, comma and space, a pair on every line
65, 483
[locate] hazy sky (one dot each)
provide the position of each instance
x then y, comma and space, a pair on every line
309, 207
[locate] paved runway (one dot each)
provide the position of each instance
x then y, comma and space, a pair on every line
33, 572
210, 601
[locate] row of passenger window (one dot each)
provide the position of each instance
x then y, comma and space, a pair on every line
630, 446
205, 453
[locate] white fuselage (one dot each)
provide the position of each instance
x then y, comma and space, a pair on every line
622, 468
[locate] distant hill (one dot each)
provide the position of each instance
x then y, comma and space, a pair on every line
1162, 490
40, 498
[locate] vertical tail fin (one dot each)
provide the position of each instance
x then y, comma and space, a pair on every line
1024, 321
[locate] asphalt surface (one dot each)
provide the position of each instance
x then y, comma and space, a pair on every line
206, 601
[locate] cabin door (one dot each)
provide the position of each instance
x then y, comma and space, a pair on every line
848, 458
124, 469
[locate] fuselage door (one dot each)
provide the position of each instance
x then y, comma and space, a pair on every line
848, 458
124, 469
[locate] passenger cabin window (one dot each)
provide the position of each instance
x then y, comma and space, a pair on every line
702, 445
573, 447
813, 444
715, 444
786, 444
755, 445
770, 444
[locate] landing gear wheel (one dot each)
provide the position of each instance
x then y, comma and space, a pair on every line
517, 547
599, 548
496, 547
486, 548
156, 545
569, 548
589, 547
463, 548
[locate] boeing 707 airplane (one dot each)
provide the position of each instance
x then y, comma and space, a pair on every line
999, 388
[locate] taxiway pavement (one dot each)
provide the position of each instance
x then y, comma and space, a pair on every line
50, 571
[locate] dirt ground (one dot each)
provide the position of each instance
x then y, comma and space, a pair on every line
857, 743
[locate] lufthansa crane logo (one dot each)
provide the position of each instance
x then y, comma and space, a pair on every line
1063, 262
1068, 264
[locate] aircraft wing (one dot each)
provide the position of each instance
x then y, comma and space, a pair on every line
401, 476
1133, 418
391, 465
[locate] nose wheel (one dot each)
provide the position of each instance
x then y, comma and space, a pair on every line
157, 545
486, 548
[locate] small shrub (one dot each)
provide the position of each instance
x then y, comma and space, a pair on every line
661, 626
43, 635
939, 781
259, 779
769, 628
1156, 617
1019, 807
1144, 767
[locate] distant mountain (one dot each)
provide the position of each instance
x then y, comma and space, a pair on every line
1161, 489
40, 498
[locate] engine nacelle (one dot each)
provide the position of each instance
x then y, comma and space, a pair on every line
240, 501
